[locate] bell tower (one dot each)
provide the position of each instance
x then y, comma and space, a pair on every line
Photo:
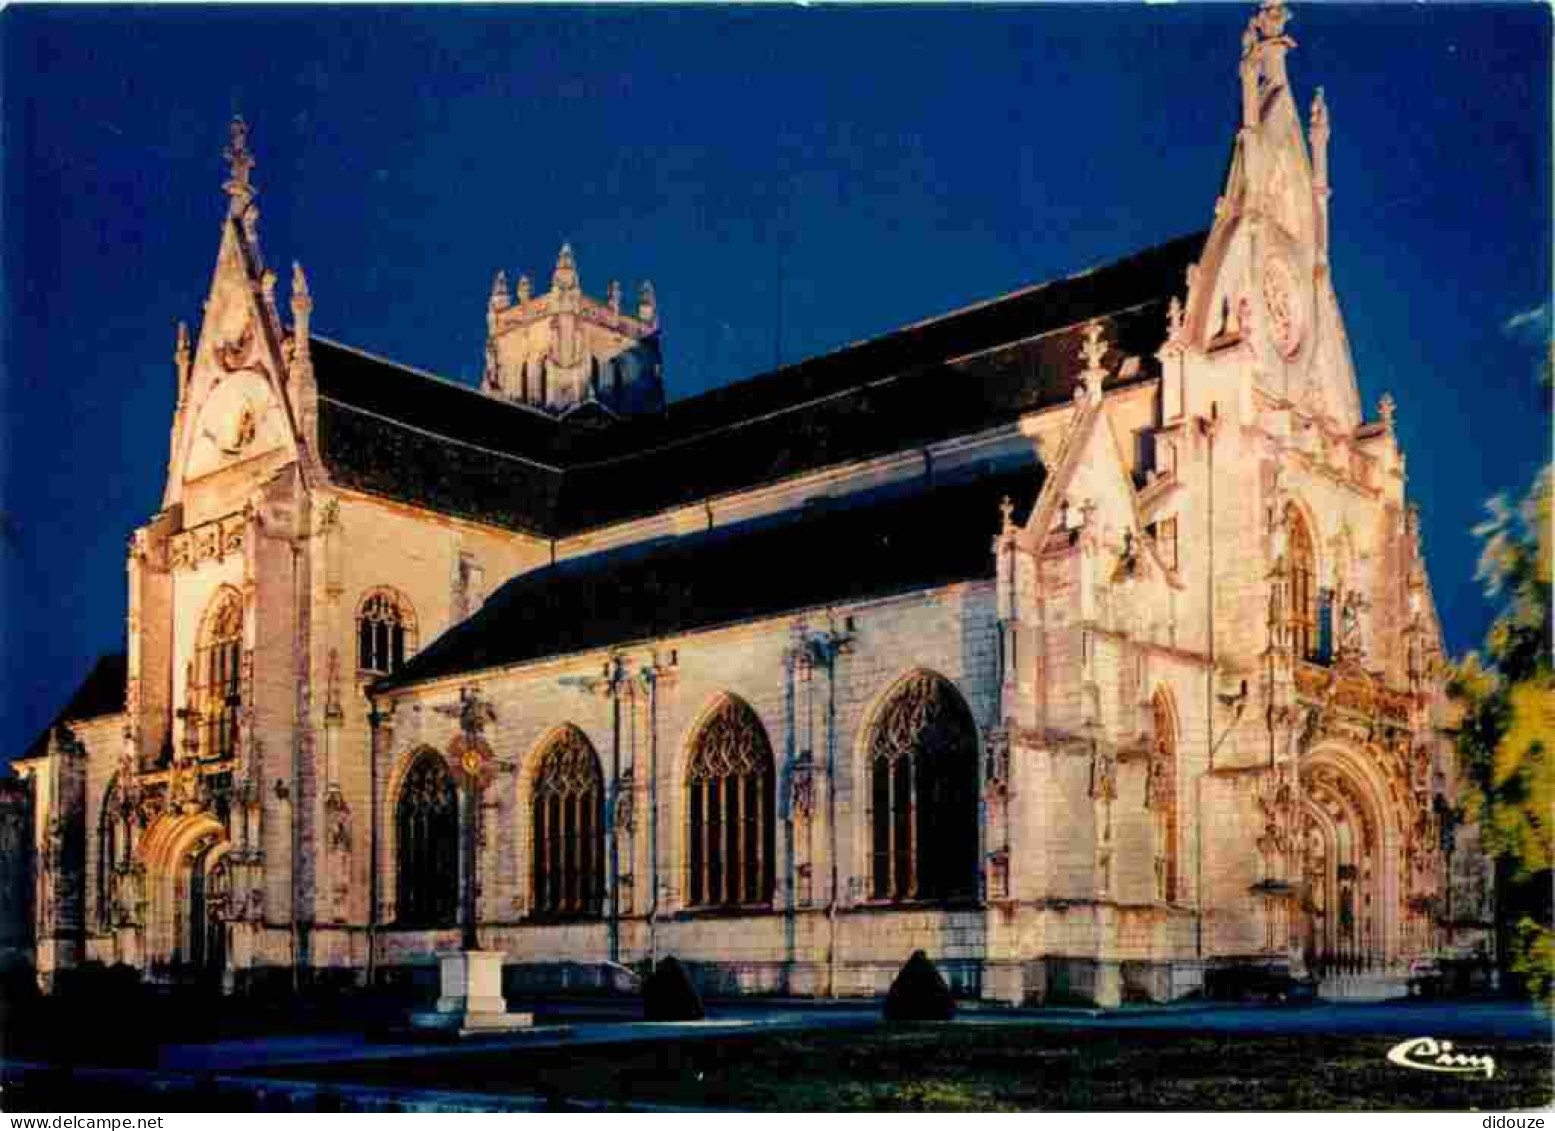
562, 350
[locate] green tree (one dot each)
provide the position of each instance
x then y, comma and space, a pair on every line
1506, 743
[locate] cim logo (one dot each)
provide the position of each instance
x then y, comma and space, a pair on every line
1427, 1054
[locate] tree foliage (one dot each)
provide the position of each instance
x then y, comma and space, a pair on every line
1506, 743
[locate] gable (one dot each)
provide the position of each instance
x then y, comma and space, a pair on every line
234, 422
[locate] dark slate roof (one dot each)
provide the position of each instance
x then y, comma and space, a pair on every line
892, 540
101, 693
405, 435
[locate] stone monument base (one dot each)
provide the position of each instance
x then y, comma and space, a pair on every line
471, 1001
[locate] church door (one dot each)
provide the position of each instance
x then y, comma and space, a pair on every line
207, 928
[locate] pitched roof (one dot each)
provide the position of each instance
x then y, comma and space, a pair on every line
396, 432
893, 540
100, 693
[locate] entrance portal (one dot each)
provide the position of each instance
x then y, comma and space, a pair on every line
189, 888
1340, 924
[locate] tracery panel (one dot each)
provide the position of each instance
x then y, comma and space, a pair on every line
923, 793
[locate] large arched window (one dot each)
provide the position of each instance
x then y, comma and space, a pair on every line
730, 788
923, 793
1303, 586
426, 819
216, 676
569, 828
385, 632
1161, 798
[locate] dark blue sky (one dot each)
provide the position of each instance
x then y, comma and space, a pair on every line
901, 162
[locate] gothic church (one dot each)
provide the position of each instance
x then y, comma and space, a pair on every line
1119, 666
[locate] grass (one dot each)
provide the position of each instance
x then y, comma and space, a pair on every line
971, 1067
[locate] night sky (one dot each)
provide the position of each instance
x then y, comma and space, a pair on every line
790, 178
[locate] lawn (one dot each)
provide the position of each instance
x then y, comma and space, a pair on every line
968, 1066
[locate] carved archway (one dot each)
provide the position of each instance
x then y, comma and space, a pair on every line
1347, 857
185, 919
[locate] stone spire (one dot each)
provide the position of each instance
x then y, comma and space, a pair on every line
525, 289
1264, 45
302, 310
1385, 410
647, 308
613, 297
240, 163
500, 299
1319, 132
565, 277
181, 359
1320, 190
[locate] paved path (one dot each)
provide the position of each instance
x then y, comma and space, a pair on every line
1461, 1020
1470, 1019
266, 1052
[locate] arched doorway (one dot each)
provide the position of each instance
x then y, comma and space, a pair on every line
1342, 910
209, 890
189, 886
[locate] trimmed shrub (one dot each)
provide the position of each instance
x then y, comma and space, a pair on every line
920, 993
668, 994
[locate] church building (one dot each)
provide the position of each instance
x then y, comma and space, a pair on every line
1082, 639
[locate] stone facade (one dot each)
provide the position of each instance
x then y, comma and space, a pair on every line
1183, 708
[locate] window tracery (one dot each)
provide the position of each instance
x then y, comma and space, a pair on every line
385, 632
730, 789
215, 688
568, 832
923, 769
1303, 586
427, 822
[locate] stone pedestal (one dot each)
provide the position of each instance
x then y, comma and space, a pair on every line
470, 1000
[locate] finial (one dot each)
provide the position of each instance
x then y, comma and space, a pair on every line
647, 307
1174, 318
614, 296
525, 289
181, 360
1272, 18
499, 291
240, 162
267, 285
1007, 512
302, 308
1385, 408
1093, 351
565, 277
1319, 113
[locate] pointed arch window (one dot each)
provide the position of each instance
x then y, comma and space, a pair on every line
923, 794
426, 819
1303, 586
615, 382
113, 848
730, 790
215, 677
385, 632
1161, 798
569, 828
